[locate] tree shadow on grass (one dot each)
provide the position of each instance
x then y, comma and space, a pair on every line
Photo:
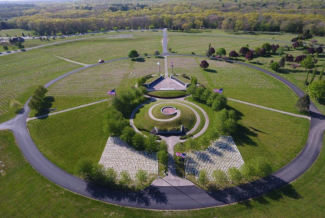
139, 60
46, 107
210, 71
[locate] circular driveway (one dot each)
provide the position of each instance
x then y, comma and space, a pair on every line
171, 197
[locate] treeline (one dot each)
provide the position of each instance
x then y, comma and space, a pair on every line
184, 16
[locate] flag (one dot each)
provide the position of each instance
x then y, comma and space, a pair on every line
180, 154
218, 90
158, 63
111, 92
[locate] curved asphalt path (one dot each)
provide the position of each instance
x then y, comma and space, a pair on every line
171, 197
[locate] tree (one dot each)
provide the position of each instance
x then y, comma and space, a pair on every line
248, 170
282, 62
203, 177
219, 176
204, 64
221, 51
127, 134
138, 141
317, 89
233, 54
99, 174
85, 168
303, 103
300, 58
234, 175
111, 176
151, 145
275, 66
141, 176
243, 51
249, 56
319, 50
289, 58
133, 54
37, 100
295, 44
263, 168
5, 48
212, 51
261, 51
115, 122
311, 51
219, 103
225, 124
267, 47
280, 50
156, 53
125, 178
193, 80
321, 74
308, 62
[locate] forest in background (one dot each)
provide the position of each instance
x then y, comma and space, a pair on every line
49, 18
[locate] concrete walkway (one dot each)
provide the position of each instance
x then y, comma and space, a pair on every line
70, 109
270, 109
71, 61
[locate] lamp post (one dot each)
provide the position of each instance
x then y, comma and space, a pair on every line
172, 67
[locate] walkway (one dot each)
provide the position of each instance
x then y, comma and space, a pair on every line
75, 62
270, 109
170, 197
70, 109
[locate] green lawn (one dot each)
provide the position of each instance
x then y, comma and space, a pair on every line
89, 51
198, 43
276, 137
92, 84
25, 192
239, 82
13, 32
156, 112
71, 136
21, 73
145, 124
168, 94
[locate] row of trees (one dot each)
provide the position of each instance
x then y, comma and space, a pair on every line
182, 16
108, 177
251, 170
208, 97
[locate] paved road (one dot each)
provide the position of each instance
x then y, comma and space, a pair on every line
171, 197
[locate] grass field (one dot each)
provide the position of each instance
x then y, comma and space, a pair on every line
198, 43
89, 51
14, 32
156, 112
145, 124
21, 73
276, 137
239, 82
69, 137
25, 192
168, 93
92, 84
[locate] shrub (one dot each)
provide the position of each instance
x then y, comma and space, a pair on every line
138, 141
204, 64
219, 176
141, 176
234, 175
127, 134
275, 66
133, 54
317, 89
150, 144
125, 178
85, 168
225, 123
303, 103
243, 51
233, 54
203, 177
156, 53
221, 51
111, 176
115, 122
